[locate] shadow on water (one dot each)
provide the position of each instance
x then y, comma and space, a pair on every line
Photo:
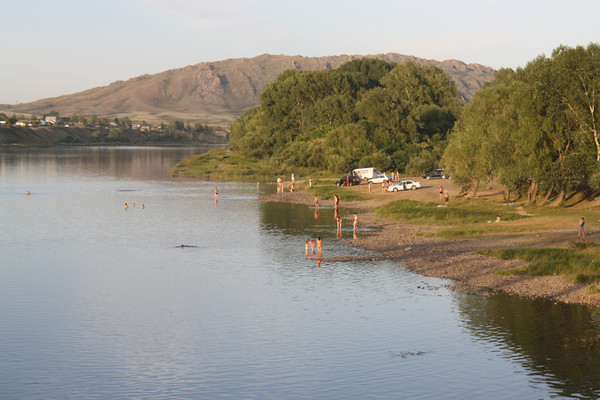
558, 343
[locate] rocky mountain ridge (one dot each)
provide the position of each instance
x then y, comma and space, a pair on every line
219, 91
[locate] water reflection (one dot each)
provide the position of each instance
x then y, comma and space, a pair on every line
558, 343
95, 300
133, 162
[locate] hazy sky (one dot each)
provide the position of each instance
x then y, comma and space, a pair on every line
51, 48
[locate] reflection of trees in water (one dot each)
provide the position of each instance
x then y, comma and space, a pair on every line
559, 341
135, 162
294, 219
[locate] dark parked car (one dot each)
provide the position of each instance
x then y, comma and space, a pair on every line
352, 179
436, 173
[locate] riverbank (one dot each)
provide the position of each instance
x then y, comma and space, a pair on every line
454, 258
70, 136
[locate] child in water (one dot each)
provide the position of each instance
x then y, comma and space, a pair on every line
309, 244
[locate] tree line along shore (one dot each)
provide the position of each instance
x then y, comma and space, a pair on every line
68, 136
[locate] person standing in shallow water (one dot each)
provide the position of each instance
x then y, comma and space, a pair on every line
581, 224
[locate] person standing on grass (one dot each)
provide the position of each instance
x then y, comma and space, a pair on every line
446, 198
581, 224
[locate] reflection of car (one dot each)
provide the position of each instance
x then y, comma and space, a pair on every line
352, 179
380, 178
436, 173
404, 185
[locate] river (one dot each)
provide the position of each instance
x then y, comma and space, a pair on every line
102, 302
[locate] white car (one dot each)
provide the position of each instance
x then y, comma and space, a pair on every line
404, 185
380, 178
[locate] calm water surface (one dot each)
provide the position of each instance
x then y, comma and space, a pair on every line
98, 302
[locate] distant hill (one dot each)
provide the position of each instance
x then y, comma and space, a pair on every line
218, 92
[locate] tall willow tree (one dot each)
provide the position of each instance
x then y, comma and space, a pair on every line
534, 128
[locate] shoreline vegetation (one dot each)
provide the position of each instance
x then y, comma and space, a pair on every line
84, 136
532, 252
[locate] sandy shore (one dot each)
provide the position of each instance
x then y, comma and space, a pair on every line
453, 259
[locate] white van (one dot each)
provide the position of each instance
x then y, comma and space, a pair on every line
365, 173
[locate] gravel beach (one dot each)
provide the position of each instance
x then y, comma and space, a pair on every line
454, 259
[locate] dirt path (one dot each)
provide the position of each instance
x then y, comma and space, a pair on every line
454, 259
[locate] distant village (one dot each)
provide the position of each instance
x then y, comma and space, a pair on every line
79, 122
106, 129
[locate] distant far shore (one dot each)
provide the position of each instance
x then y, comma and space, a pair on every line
70, 136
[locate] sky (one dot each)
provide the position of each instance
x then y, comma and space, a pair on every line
51, 48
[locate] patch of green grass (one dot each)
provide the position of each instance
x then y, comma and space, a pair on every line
593, 289
432, 214
581, 265
223, 164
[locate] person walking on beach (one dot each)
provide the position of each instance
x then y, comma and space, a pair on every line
446, 198
355, 222
441, 192
370, 186
310, 183
581, 224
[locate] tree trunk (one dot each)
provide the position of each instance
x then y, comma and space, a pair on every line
559, 199
476, 188
548, 193
532, 193
506, 194
465, 188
